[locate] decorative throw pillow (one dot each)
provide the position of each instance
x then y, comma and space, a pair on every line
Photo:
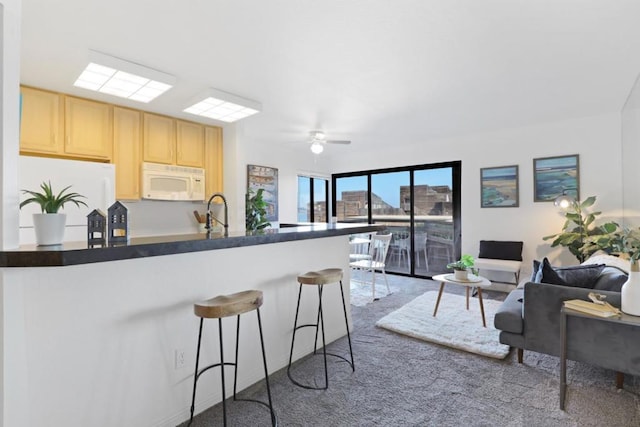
497, 249
534, 271
580, 276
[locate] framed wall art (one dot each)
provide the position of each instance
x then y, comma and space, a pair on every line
499, 187
266, 178
555, 176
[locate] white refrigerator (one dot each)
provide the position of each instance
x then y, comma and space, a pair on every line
94, 180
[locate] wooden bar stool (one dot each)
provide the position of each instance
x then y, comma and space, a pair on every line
319, 279
218, 308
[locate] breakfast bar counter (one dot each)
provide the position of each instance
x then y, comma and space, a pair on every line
107, 335
73, 253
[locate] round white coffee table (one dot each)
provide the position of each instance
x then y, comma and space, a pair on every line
477, 282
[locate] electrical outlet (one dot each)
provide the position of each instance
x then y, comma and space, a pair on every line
179, 361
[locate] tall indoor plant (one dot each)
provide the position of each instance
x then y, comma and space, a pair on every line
580, 234
49, 224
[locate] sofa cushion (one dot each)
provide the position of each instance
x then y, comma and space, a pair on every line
611, 279
509, 315
581, 276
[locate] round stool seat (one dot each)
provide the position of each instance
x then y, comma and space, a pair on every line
322, 277
319, 279
228, 305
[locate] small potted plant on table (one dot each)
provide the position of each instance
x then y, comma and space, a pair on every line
462, 266
49, 224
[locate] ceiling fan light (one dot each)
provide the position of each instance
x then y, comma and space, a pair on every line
316, 147
318, 134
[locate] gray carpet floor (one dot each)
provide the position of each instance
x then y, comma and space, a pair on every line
400, 381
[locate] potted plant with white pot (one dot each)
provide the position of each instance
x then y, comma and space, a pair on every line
462, 266
626, 243
49, 224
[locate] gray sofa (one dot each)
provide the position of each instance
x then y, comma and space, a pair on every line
529, 319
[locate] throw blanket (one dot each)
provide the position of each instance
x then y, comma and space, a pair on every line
610, 260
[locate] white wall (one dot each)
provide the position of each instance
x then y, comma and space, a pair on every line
631, 154
290, 163
94, 344
595, 139
12, 389
10, 14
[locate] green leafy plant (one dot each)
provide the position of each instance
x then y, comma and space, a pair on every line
49, 201
255, 211
580, 234
466, 262
624, 243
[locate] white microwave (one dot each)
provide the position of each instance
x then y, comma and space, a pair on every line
170, 182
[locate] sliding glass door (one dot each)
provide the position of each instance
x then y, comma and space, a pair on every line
388, 208
433, 215
418, 205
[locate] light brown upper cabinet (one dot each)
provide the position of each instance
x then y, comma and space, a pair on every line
213, 160
41, 122
159, 139
58, 125
127, 148
88, 128
190, 144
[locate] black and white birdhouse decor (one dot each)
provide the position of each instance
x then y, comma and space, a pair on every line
118, 223
96, 228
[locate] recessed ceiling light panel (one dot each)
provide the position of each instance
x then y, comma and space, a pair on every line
218, 105
115, 76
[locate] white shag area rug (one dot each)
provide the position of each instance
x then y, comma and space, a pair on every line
453, 325
361, 291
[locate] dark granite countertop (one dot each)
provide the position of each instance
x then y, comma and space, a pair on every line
74, 253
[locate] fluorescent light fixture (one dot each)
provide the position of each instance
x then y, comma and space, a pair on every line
317, 147
223, 106
115, 76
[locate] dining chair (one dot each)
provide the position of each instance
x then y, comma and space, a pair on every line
378, 251
420, 245
359, 246
399, 249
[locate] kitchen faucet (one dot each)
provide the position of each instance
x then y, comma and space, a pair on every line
210, 217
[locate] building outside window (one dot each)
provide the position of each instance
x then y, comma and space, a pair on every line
419, 205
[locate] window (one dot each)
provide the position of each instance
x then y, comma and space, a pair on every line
419, 205
313, 194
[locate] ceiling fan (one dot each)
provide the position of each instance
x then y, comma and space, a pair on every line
318, 139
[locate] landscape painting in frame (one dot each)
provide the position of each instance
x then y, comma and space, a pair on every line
265, 178
499, 187
555, 176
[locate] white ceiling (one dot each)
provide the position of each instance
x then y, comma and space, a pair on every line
373, 71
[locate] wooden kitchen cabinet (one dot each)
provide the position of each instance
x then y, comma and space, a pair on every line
41, 122
213, 160
127, 148
59, 125
159, 139
88, 128
189, 144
